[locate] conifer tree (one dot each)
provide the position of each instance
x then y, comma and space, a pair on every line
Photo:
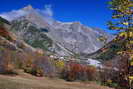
122, 21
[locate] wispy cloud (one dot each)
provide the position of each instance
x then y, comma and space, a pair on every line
14, 14
48, 10
47, 13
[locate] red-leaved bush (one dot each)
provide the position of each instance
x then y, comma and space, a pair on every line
75, 71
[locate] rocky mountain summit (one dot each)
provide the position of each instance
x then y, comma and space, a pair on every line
63, 38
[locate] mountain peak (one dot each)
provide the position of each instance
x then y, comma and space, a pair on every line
29, 7
77, 22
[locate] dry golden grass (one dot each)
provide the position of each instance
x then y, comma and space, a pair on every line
26, 81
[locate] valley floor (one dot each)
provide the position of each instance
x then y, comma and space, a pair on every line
26, 81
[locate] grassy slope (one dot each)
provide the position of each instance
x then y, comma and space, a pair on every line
26, 81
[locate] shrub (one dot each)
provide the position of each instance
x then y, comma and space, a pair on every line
6, 64
91, 72
30, 62
37, 71
115, 71
59, 64
110, 83
110, 77
31, 67
46, 65
9, 70
75, 71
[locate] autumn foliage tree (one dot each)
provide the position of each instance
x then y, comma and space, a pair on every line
75, 71
6, 64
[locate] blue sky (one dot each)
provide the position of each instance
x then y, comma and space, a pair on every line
93, 13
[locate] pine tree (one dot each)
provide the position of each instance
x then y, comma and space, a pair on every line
122, 15
122, 21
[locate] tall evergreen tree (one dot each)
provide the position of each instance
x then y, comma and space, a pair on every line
122, 21
122, 15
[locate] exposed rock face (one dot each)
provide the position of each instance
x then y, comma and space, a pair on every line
36, 37
77, 37
32, 35
66, 38
14, 53
10, 41
7, 44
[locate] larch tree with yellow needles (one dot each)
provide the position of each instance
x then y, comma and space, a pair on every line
122, 21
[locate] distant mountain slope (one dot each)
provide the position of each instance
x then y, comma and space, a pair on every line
77, 37
12, 49
2, 20
31, 34
37, 37
69, 38
109, 51
9, 39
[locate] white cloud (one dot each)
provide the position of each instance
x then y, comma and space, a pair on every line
14, 14
47, 11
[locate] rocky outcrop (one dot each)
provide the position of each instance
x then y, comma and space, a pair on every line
10, 41
62, 38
